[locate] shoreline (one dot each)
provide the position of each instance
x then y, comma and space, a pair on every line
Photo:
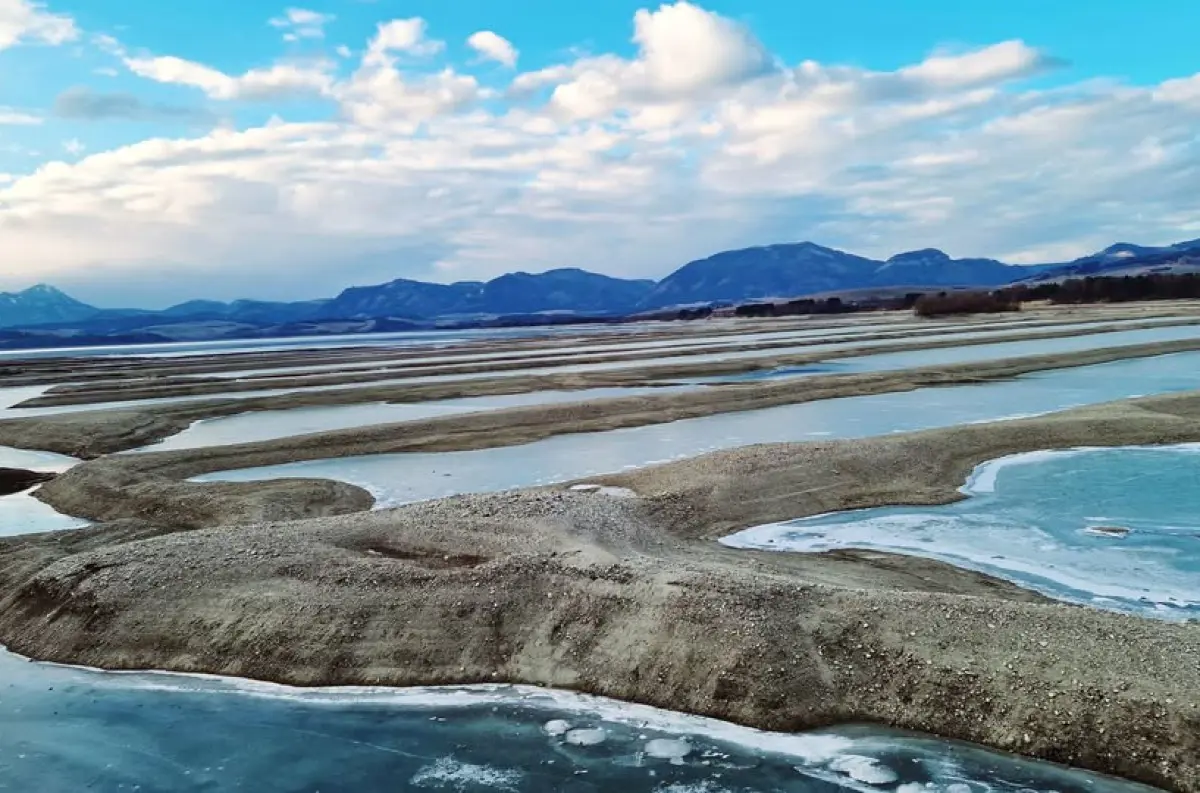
633, 599
813, 748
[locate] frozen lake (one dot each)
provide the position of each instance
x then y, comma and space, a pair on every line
67, 729
1116, 528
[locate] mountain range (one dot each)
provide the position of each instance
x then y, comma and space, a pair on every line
43, 314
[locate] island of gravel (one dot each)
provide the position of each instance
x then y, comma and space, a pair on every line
627, 597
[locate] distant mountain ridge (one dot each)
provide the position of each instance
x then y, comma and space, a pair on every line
806, 268
41, 304
772, 271
565, 289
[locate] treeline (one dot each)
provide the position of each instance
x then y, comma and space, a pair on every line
808, 305
944, 303
1101, 289
1093, 289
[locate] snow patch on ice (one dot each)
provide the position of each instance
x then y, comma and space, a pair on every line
465, 776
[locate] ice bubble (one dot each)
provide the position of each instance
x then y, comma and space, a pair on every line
448, 771
864, 769
593, 737
556, 727
673, 749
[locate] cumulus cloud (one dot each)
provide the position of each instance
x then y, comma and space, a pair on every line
493, 47
23, 20
83, 104
301, 23
17, 118
685, 54
380, 93
1008, 60
698, 141
685, 48
281, 81
406, 36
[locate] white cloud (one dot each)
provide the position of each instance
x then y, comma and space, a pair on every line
301, 23
494, 47
685, 54
399, 36
699, 141
379, 93
276, 82
685, 48
382, 96
74, 147
23, 20
1005, 61
17, 118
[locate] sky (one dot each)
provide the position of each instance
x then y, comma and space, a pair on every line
152, 153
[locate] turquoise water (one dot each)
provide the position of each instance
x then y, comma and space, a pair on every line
66, 729
400, 478
1115, 528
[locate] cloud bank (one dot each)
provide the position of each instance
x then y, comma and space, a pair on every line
701, 140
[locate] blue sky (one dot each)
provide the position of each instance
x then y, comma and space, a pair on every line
152, 154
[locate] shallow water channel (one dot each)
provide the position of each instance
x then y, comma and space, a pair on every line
270, 424
401, 478
69, 729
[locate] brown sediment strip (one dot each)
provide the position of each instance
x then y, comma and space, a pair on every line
631, 598
92, 433
647, 374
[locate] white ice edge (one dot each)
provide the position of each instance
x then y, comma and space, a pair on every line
813, 747
1025, 573
983, 478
